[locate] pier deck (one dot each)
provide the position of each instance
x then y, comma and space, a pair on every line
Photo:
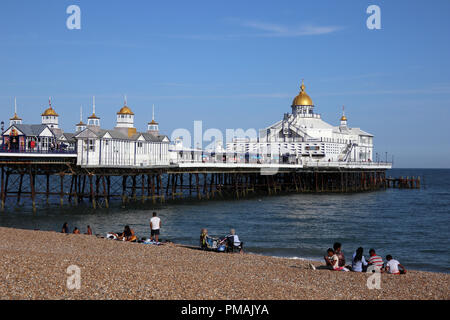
50, 177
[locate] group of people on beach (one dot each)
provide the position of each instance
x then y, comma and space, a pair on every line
65, 229
229, 243
128, 234
335, 260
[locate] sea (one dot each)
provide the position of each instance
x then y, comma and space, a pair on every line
412, 225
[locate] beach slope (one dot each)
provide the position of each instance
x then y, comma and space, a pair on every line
34, 265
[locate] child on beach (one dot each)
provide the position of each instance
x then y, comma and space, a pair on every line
332, 261
203, 238
337, 246
375, 260
89, 230
392, 266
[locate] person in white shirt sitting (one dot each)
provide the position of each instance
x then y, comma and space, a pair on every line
392, 266
234, 242
359, 263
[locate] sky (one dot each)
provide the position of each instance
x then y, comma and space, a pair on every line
236, 64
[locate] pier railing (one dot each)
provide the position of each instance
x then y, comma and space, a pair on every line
281, 162
37, 151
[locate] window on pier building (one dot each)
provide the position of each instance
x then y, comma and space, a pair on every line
91, 145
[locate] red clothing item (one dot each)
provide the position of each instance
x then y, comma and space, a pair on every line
341, 259
376, 260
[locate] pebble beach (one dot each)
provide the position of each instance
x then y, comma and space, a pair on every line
34, 265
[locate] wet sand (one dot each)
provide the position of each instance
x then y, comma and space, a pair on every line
34, 265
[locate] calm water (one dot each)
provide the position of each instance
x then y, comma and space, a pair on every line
412, 225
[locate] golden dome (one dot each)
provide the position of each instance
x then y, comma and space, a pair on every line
344, 118
50, 112
302, 99
153, 122
93, 116
16, 117
125, 110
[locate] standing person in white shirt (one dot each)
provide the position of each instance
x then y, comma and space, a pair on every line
392, 266
155, 226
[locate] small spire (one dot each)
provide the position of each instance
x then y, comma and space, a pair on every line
153, 112
125, 100
50, 102
15, 106
81, 114
302, 87
93, 105
343, 118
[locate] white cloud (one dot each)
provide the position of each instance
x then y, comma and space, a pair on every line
276, 30
265, 30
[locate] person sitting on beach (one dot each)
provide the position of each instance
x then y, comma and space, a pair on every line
76, 231
332, 261
392, 266
65, 228
203, 238
375, 260
233, 242
337, 246
128, 235
89, 230
359, 263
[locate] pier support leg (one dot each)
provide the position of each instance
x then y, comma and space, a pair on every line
71, 188
47, 190
33, 191
19, 192
105, 192
3, 189
61, 194
124, 189
92, 196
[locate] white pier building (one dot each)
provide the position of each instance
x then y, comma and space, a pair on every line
303, 137
122, 146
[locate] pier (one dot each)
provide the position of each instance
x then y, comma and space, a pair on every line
403, 183
55, 178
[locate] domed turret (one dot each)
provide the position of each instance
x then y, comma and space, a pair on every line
15, 119
302, 99
343, 119
93, 120
125, 117
49, 116
125, 120
81, 125
153, 127
303, 104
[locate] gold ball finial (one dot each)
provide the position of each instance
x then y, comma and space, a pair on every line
302, 99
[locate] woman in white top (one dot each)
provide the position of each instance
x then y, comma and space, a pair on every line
358, 261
